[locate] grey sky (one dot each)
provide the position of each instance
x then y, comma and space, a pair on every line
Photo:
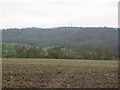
54, 13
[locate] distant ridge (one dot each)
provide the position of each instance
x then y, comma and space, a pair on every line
67, 37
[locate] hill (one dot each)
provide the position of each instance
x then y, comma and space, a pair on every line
64, 37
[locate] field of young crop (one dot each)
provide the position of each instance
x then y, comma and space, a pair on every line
52, 73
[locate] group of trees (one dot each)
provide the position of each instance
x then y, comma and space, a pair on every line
67, 37
83, 52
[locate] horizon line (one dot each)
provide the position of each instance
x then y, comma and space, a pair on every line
59, 27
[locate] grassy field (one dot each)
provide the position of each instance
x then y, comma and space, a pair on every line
51, 73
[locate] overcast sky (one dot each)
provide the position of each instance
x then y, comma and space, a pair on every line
54, 13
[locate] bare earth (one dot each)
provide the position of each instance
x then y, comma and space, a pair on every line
59, 73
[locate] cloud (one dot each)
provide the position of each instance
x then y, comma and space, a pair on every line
49, 13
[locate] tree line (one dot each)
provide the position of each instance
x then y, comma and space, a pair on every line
83, 52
